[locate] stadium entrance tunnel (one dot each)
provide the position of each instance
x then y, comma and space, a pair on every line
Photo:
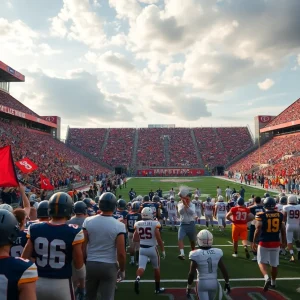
219, 170
120, 170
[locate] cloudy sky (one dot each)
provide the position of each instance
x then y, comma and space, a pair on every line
128, 63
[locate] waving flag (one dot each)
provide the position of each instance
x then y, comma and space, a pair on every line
8, 176
45, 183
26, 165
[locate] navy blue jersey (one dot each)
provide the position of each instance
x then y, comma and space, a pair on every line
120, 214
18, 246
131, 219
53, 246
155, 206
15, 271
256, 209
271, 227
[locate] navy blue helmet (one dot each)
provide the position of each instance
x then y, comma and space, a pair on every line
155, 199
269, 203
107, 202
135, 206
80, 208
146, 198
208, 199
88, 202
240, 201
60, 205
97, 199
283, 200
9, 228
42, 210
266, 195
121, 204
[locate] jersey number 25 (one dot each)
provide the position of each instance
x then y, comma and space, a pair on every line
145, 233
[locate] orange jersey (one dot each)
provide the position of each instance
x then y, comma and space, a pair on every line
240, 214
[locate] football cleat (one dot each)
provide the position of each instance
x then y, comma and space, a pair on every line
234, 255
267, 284
254, 258
161, 290
273, 286
181, 257
292, 259
137, 286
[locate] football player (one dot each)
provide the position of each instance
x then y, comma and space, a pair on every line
208, 209
154, 205
205, 263
18, 276
172, 212
256, 208
268, 226
133, 217
220, 213
172, 192
41, 213
54, 245
121, 212
164, 212
281, 204
147, 233
19, 244
198, 207
80, 210
291, 213
240, 216
92, 208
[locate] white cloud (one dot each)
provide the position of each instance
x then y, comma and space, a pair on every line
266, 84
298, 59
77, 21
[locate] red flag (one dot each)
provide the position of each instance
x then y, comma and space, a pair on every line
8, 176
45, 183
26, 165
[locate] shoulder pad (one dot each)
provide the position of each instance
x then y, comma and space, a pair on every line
260, 213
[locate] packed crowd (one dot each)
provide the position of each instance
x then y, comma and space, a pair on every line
235, 140
9, 101
119, 148
210, 148
292, 113
89, 140
271, 153
53, 158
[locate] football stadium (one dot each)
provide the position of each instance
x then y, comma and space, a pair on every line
106, 208
123, 160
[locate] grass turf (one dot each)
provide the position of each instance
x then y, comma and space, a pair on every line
174, 269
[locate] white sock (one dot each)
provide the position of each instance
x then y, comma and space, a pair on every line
138, 278
273, 282
132, 258
181, 251
266, 277
292, 252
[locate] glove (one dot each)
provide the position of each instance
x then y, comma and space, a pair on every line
163, 255
120, 276
227, 287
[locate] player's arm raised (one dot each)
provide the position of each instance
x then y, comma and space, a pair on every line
160, 242
26, 203
225, 275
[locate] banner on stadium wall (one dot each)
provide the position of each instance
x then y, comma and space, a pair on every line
14, 112
170, 172
237, 176
11, 71
52, 119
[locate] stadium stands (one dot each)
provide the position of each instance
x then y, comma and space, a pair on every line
118, 150
292, 113
270, 153
235, 140
89, 140
58, 162
9, 101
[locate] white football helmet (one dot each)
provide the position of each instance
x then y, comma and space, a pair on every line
139, 198
196, 196
147, 213
292, 199
220, 198
6, 207
205, 238
172, 198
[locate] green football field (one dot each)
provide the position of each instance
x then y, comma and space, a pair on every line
246, 280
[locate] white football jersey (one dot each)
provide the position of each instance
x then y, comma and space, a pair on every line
146, 230
221, 208
172, 193
171, 206
293, 214
198, 204
279, 207
207, 262
208, 207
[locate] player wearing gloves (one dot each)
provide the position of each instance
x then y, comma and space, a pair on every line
147, 233
205, 262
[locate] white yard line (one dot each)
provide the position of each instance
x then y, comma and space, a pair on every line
231, 279
213, 246
230, 243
